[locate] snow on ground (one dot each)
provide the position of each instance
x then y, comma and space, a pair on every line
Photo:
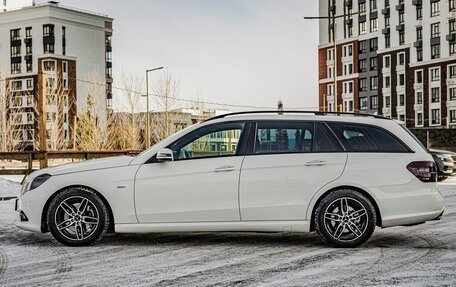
422, 255
9, 188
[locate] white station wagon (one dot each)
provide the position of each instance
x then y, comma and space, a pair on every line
340, 175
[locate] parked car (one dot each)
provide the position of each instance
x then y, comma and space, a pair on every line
255, 171
444, 162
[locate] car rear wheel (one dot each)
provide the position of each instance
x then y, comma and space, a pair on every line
345, 218
77, 217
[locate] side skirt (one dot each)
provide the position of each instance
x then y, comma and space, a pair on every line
243, 226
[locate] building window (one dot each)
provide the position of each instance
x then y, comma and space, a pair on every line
363, 47
401, 18
401, 37
330, 72
348, 50
348, 87
452, 71
452, 48
419, 55
452, 95
435, 51
63, 40
419, 77
373, 64
373, 83
419, 119
419, 33
401, 100
387, 82
28, 32
29, 83
388, 102
401, 59
452, 4
419, 98
363, 65
435, 8
452, 116
435, 116
15, 51
48, 30
16, 85
362, 28
401, 79
15, 34
65, 67
363, 84
452, 25
435, 74
373, 6
362, 8
435, 95
373, 43
29, 66
386, 61
329, 54
374, 102
15, 68
363, 103
387, 21
374, 25
419, 12
49, 48
435, 30
387, 41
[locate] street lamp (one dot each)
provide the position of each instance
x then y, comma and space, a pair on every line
147, 105
333, 17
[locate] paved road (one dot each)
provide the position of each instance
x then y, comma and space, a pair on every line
423, 255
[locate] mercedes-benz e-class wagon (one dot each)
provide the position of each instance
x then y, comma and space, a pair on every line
339, 175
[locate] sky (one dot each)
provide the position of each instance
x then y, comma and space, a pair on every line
240, 52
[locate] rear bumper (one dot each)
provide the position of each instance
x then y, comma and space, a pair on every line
408, 204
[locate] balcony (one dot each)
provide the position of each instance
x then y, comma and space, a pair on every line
418, 44
348, 3
400, 7
400, 27
28, 58
332, 8
386, 11
48, 40
349, 22
108, 48
108, 64
16, 59
28, 41
417, 2
16, 42
451, 37
386, 31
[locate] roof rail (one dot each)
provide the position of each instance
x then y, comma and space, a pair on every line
317, 113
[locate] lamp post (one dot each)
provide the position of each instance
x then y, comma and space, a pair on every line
333, 17
147, 105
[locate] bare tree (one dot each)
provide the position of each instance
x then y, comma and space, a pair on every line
166, 94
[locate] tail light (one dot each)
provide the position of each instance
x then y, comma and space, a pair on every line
423, 170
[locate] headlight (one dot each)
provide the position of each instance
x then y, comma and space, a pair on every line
37, 181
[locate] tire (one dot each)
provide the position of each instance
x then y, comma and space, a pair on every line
345, 229
77, 217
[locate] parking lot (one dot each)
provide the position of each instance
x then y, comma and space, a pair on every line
422, 255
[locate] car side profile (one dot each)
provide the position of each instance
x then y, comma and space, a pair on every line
340, 175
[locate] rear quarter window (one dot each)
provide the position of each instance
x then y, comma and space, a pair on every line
366, 138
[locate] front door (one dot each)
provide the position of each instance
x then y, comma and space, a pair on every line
200, 185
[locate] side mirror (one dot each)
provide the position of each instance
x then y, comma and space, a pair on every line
165, 155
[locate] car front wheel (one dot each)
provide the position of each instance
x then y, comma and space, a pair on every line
345, 218
77, 217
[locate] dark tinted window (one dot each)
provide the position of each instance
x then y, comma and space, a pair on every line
324, 141
363, 138
283, 137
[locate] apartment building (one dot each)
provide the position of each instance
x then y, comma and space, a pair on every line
400, 57
49, 53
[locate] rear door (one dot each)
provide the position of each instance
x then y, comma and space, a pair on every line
287, 162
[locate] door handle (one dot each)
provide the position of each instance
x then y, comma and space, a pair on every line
316, 163
224, 168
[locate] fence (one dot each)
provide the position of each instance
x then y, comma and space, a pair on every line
19, 163
433, 138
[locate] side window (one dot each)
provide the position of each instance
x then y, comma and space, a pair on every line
324, 141
361, 138
213, 141
283, 137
